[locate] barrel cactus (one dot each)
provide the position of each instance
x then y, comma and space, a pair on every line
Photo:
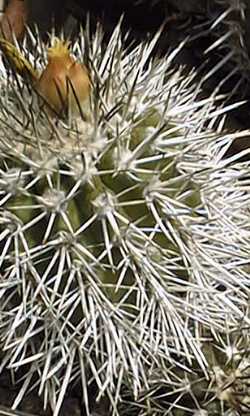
122, 265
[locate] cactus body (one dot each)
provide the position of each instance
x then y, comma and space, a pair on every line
114, 257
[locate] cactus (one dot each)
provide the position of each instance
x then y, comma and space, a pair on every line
228, 27
122, 264
218, 36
